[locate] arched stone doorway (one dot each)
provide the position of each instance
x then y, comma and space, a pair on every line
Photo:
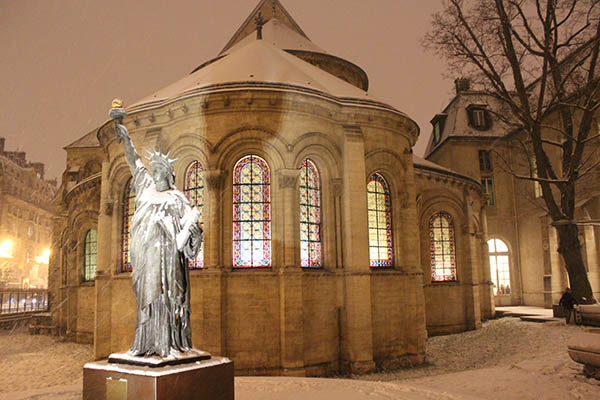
500, 270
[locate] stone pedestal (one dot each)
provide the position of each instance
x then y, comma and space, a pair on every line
208, 379
173, 358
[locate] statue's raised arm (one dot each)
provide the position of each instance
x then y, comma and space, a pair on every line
117, 113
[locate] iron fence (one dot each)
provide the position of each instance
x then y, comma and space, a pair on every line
23, 300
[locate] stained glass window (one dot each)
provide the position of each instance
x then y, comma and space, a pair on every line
310, 215
380, 221
90, 251
194, 191
128, 210
499, 265
441, 247
251, 213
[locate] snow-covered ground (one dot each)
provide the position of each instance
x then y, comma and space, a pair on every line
506, 359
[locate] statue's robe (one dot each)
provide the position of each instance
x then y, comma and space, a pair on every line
160, 273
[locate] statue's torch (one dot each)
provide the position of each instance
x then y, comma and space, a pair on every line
117, 113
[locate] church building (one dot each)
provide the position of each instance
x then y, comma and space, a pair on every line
329, 247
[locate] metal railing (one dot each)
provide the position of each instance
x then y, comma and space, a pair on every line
23, 300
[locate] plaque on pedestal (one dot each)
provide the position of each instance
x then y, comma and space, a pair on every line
207, 379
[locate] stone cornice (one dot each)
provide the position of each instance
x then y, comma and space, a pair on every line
448, 177
269, 99
89, 182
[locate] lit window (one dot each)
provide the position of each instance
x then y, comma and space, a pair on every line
499, 265
380, 221
436, 132
128, 210
441, 247
438, 127
90, 252
194, 191
251, 213
310, 215
488, 189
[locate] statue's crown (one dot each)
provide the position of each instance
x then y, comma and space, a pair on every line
156, 157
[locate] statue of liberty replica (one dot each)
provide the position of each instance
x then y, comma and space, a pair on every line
165, 233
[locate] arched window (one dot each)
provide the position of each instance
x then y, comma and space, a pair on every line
128, 210
251, 213
441, 247
499, 265
90, 251
194, 191
380, 221
310, 215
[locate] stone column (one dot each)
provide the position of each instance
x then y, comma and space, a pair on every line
486, 292
407, 196
471, 268
214, 289
104, 269
336, 189
213, 218
290, 277
410, 265
356, 326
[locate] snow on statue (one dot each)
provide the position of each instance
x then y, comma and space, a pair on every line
165, 233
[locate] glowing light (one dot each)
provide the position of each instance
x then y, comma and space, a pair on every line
6, 249
117, 103
44, 258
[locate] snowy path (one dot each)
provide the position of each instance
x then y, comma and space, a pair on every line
506, 359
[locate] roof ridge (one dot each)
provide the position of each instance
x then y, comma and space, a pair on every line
269, 10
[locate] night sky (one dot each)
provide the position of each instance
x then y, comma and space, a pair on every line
63, 61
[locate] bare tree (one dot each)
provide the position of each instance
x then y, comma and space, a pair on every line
539, 59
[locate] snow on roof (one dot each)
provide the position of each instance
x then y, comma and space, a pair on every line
279, 35
87, 140
421, 163
256, 64
268, 10
457, 121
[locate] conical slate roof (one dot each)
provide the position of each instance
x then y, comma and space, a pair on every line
279, 35
269, 9
259, 65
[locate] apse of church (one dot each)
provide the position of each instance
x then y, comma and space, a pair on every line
317, 215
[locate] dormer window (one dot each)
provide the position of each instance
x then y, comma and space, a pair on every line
479, 117
438, 127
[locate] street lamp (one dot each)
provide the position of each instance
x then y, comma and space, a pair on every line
6, 249
44, 258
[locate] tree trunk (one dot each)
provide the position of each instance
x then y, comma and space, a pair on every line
570, 250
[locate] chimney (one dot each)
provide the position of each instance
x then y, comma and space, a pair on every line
462, 84
39, 169
20, 158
